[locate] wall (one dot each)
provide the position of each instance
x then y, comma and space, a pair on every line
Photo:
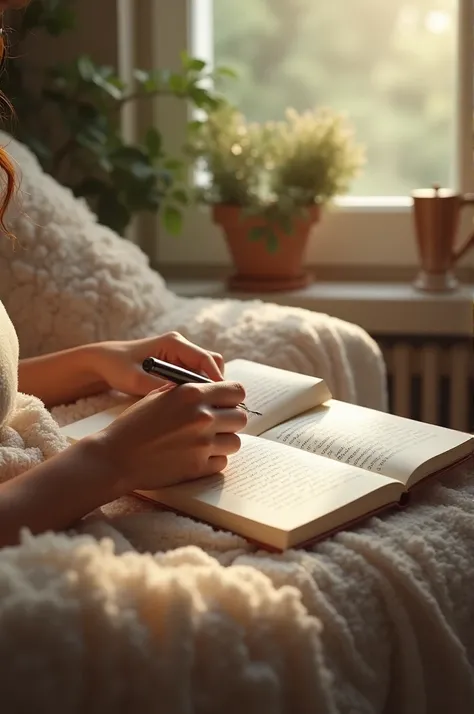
96, 34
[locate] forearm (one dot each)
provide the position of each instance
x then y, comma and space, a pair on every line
56, 494
62, 377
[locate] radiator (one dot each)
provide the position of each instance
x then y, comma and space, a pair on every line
431, 380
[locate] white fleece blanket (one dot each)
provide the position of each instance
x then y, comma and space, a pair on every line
374, 620
378, 619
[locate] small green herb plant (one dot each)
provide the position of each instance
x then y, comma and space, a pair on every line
276, 170
69, 115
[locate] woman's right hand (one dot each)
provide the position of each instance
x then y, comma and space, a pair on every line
168, 437
173, 435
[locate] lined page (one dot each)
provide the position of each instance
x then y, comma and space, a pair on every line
376, 441
280, 487
92, 424
276, 393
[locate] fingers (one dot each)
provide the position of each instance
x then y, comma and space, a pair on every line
219, 360
220, 394
227, 421
213, 465
162, 388
201, 361
210, 366
193, 356
216, 464
225, 444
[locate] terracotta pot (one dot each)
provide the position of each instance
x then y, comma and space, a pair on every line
258, 269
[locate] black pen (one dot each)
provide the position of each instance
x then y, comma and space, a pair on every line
179, 375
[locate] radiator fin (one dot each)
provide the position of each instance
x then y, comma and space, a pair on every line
431, 380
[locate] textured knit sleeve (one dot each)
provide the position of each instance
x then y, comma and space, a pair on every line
9, 353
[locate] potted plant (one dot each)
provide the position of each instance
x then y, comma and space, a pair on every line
267, 184
70, 117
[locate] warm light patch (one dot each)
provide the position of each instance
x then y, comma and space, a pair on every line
437, 22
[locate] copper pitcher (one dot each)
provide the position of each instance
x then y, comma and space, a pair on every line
436, 213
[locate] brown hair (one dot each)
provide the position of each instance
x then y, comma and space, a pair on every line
6, 165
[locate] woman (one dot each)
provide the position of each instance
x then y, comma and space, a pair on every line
171, 435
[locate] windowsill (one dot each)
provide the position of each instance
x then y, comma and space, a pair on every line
380, 308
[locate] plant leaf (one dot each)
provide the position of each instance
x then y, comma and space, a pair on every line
110, 208
142, 171
195, 65
286, 223
141, 75
113, 213
226, 72
53, 95
86, 68
148, 80
32, 16
173, 164
272, 242
184, 57
61, 20
126, 155
195, 126
90, 187
164, 181
105, 164
177, 83
180, 196
257, 233
202, 98
110, 87
191, 64
42, 151
172, 220
153, 142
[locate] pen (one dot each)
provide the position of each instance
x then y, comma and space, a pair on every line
180, 375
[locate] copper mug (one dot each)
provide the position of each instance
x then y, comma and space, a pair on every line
436, 213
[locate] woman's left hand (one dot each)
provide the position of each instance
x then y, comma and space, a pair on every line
119, 364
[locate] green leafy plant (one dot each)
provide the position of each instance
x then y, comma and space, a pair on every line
275, 169
69, 115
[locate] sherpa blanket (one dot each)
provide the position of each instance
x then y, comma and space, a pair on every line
151, 612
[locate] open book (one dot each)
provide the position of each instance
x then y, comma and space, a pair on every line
309, 465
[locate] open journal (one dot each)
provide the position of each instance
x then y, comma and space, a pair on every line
309, 465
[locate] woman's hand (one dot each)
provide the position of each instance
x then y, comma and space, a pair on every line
119, 364
64, 377
168, 437
172, 435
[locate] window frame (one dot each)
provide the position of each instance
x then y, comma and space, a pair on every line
358, 232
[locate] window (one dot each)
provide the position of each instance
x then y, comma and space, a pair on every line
401, 70
390, 66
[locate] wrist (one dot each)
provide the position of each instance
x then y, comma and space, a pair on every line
62, 377
87, 367
107, 482
57, 493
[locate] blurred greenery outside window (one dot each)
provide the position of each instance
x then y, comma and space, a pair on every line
390, 66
